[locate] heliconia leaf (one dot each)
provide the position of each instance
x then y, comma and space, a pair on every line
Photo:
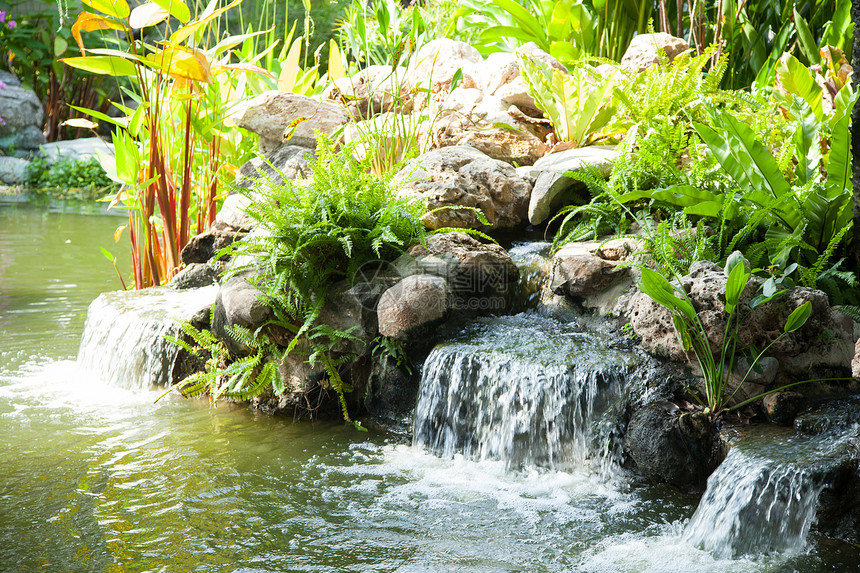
88, 22
290, 67
81, 123
176, 8
147, 15
116, 8
798, 318
117, 235
189, 29
335, 62
291, 129
242, 67
182, 63
795, 78
105, 65
233, 41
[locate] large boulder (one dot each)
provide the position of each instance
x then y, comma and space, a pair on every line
371, 91
231, 224
13, 170
75, 149
644, 50
826, 340
501, 77
577, 272
501, 130
286, 161
238, 304
22, 116
269, 115
437, 61
673, 446
413, 306
553, 189
463, 176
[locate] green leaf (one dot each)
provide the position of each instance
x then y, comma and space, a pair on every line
106, 65
176, 8
662, 292
795, 78
682, 331
116, 8
805, 39
735, 285
798, 318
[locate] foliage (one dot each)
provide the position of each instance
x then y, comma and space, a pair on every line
380, 33
67, 174
691, 333
580, 105
31, 43
172, 145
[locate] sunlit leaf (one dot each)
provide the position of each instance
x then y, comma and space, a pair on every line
147, 15
177, 9
80, 122
186, 31
116, 8
88, 22
182, 63
799, 317
335, 62
105, 65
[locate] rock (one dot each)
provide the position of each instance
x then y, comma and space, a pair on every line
202, 248
232, 213
392, 391
461, 175
75, 149
822, 342
9, 80
668, 445
619, 249
270, 114
437, 61
352, 308
470, 117
552, 189
576, 272
842, 413
238, 303
855, 362
782, 407
370, 92
481, 276
412, 306
195, 275
501, 77
22, 113
644, 49
290, 161
13, 170
298, 376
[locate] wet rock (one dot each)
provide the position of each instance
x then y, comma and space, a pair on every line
835, 414
203, 247
352, 308
782, 407
470, 267
644, 49
238, 303
232, 214
668, 445
576, 272
270, 114
22, 113
414, 305
855, 362
461, 175
391, 390
195, 275
75, 149
619, 249
289, 161
13, 170
371, 91
553, 189
297, 375
437, 61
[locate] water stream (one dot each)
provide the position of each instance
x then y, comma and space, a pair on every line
96, 476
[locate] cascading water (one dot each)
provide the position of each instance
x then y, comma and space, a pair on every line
526, 389
764, 496
123, 341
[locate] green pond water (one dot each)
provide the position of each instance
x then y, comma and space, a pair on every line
101, 478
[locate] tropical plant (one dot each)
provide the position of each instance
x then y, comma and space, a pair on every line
68, 174
380, 33
172, 146
716, 369
579, 105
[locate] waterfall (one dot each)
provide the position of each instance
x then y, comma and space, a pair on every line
762, 499
123, 341
526, 389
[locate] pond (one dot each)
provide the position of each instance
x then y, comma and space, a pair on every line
101, 478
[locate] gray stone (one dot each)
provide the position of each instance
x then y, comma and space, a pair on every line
75, 149
9, 80
238, 303
672, 446
576, 272
412, 306
195, 275
203, 247
269, 115
22, 113
501, 77
644, 48
437, 61
371, 91
392, 390
782, 407
352, 308
552, 187
13, 170
289, 161
232, 213
855, 362
463, 176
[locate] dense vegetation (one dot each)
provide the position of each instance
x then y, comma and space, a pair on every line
742, 144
